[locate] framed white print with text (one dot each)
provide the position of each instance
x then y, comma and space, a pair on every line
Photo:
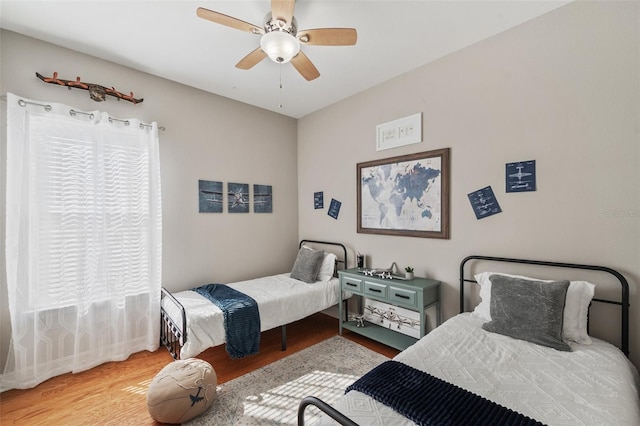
400, 132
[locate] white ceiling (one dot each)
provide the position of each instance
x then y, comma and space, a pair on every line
167, 39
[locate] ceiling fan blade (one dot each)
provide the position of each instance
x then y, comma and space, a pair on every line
329, 36
229, 21
251, 59
305, 67
283, 9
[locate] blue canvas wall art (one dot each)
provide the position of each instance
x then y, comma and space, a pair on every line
318, 200
484, 203
210, 196
262, 199
334, 208
238, 197
521, 176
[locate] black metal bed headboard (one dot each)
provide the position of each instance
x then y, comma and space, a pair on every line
624, 292
330, 243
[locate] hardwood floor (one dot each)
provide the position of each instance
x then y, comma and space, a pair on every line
115, 393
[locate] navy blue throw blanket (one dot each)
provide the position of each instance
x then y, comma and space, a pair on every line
427, 400
241, 318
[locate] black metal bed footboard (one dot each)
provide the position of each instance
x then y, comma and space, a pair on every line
172, 335
325, 408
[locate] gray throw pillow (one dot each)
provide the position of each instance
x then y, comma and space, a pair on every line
528, 310
307, 265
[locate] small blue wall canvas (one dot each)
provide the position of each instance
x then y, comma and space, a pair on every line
318, 200
484, 203
521, 176
262, 199
238, 197
210, 196
334, 208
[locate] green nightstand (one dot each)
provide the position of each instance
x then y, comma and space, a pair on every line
416, 295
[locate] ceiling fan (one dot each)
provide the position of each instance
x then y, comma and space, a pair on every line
281, 39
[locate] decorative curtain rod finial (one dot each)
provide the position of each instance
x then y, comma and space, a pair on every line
97, 92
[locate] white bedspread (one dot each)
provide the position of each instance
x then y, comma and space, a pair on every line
281, 300
593, 385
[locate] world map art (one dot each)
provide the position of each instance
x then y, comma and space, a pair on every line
402, 196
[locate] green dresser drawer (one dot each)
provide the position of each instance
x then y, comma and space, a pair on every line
352, 284
403, 297
375, 290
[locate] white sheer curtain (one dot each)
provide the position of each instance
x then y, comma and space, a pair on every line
83, 240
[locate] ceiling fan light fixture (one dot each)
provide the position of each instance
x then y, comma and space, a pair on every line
280, 46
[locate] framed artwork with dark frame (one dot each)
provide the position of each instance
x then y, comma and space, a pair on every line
406, 195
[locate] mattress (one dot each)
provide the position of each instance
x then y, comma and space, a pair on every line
593, 385
281, 300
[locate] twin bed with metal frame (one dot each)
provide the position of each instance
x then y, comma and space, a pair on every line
190, 323
477, 372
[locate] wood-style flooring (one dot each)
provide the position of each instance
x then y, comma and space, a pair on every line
115, 393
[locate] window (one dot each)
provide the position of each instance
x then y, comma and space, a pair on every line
84, 227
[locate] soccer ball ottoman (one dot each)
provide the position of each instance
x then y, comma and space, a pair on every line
182, 390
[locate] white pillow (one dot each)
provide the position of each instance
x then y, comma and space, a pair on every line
576, 309
328, 265
576, 312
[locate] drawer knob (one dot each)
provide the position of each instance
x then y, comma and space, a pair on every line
402, 296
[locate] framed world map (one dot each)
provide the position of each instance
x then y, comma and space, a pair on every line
406, 195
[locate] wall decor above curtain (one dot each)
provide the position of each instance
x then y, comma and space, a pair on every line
406, 195
97, 92
210, 196
262, 199
238, 197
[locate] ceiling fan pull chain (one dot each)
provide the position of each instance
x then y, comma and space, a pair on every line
280, 86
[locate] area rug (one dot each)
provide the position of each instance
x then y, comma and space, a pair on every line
271, 394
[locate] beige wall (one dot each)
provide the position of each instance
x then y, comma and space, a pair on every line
207, 137
562, 90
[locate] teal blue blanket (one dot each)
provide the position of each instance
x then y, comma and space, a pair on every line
241, 318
